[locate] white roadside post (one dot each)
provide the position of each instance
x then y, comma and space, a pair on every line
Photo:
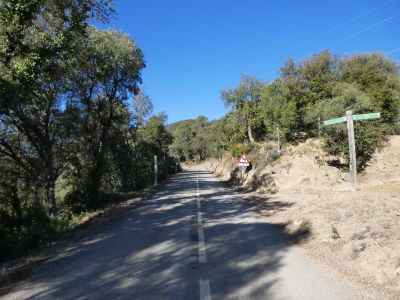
177, 162
155, 170
279, 140
319, 125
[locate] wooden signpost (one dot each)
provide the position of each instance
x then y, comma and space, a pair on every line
349, 118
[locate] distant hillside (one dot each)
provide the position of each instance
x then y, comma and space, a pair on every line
171, 127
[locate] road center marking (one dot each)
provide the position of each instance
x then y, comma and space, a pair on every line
202, 243
205, 290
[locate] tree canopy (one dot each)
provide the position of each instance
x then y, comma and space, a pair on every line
69, 135
320, 87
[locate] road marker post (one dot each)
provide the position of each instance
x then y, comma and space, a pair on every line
349, 119
155, 170
278, 140
177, 162
319, 126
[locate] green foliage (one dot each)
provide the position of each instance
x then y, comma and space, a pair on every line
66, 122
378, 77
195, 139
366, 80
30, 236
68, 135
245, 99
318, 88
238, 149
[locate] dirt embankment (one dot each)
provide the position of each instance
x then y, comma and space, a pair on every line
355, 231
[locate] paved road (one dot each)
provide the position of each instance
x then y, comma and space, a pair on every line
193, 240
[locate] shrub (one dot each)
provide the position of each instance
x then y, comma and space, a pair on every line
238, 149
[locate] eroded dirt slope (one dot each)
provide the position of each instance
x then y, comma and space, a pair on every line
355, 231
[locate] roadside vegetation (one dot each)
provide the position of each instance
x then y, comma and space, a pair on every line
69, 136
295, 104
304, 186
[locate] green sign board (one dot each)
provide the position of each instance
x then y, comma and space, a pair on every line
366, 116
334, 121
355, 118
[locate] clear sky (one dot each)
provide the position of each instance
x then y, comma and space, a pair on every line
195, 48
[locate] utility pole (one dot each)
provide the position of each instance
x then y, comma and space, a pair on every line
352, 147
155, 170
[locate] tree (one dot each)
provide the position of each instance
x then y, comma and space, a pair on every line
369, 135
306, 84
35, 36
107, 72
38, 40
244, 100
68, 136
277, 110
154, 139
378, 77
142, 106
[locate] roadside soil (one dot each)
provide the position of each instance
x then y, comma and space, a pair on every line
355, 231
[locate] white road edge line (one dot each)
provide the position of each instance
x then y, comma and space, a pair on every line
205, 289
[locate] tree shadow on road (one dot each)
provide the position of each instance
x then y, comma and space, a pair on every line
151, 252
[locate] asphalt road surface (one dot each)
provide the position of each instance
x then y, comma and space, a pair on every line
194, 239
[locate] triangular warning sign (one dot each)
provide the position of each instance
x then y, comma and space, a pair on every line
243, 160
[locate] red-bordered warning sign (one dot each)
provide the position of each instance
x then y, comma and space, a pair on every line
244, 160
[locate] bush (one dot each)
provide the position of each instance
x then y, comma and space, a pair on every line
14, 242
238, 149
368, 137
64, 222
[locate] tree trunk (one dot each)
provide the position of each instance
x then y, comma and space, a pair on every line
251, 139
96, 173
16, 203
51, 182
51, 198
94, 183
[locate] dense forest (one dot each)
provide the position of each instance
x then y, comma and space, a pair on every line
294, 105
69, 133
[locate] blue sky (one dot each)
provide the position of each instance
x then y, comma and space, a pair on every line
194, 49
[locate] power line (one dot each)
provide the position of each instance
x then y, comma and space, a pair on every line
392, 51
363, 30
352, 20
341, 26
